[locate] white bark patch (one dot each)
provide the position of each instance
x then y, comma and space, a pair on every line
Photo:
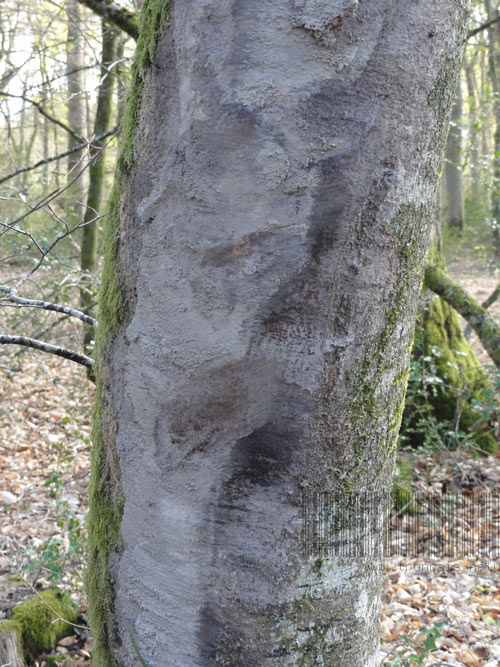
323, 17
362, 606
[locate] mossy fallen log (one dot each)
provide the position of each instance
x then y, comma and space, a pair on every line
487, 330
37, 626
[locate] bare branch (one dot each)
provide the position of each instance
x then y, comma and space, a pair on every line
11, 226
52, 195
46, 347
21, 231
49, 249
39, 107
40, 163
45, 82
119, 16
45, 305
483, 26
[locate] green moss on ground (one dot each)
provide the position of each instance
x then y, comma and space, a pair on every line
447, 382
37, 625
451, 359
486, 443
55, 660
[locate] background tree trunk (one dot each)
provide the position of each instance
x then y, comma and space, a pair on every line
258, 303
88, 253
474, 158
76, 109
453, 170
494, 72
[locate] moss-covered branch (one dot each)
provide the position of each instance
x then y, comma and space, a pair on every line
119, 16
483, 324
494, 296
483, 26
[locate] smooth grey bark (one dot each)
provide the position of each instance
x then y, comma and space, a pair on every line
271, 242
455, 216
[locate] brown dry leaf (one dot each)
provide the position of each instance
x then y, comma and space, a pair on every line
469, 658
482, 652
68, 641
494, 612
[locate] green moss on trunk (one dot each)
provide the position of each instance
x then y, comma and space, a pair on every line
106, 499
447, 380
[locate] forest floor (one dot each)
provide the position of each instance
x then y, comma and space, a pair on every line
444, 608
45, 421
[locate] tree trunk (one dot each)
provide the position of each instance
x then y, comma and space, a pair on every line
264, 257
76, 108
473, 116
88, 252
494, 71
485, 115
10, 652
453, 168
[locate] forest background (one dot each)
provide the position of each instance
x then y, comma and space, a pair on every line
64, 73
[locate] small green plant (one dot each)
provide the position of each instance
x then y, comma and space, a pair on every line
417, 650
64, 553
138, 653
421, 426
440, 415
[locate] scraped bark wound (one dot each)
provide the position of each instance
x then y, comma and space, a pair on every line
323, 17
271, 245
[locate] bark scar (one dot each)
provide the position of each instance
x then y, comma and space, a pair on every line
322, 17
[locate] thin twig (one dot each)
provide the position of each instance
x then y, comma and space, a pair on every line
44, 113
45, 305
40, 163
46, 347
